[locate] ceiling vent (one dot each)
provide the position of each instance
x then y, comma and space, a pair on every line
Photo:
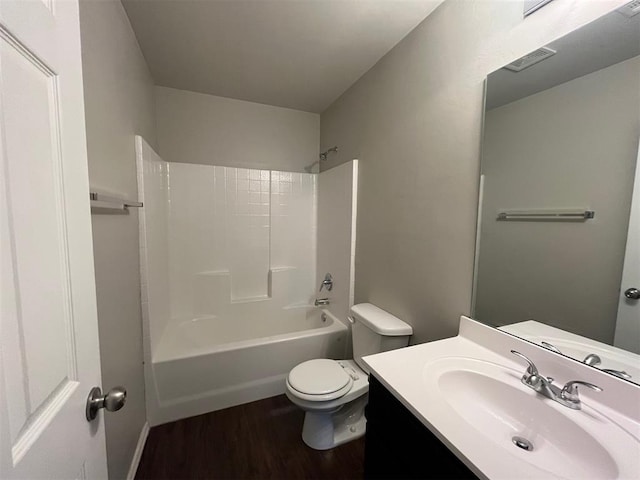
630, 9
531, 59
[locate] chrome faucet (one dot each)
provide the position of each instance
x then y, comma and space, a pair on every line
593, 360
321, 302
567, 396
327, 282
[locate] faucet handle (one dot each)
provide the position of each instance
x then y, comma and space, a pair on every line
570, 390
550, 346
327, 282
617, 373
532, 376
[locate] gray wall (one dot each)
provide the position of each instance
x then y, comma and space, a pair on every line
414, 122
119, 103
200, 128
573, 145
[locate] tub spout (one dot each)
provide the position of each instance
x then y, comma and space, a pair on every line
321, 302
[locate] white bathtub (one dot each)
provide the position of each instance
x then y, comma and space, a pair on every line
210, 363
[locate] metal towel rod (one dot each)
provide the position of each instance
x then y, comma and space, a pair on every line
546, 215
105, 202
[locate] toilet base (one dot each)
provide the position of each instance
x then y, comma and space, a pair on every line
326, 430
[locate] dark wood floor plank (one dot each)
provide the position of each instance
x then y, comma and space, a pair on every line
259, 440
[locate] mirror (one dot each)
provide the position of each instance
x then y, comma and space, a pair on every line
559, 158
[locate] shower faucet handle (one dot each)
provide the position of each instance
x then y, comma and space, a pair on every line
327, 282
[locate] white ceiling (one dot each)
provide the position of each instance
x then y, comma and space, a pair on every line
301, 54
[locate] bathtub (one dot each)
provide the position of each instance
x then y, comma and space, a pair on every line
210, 363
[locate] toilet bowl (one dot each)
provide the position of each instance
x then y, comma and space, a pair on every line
333, 393
322, 388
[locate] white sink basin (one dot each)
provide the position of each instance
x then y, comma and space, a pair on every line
490, 399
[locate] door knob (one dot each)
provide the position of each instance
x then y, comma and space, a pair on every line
632, 293
113, 401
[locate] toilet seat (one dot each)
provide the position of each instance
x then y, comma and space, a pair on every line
319, 380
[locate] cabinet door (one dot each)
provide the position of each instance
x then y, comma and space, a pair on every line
399, 446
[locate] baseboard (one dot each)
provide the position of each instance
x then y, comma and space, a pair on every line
137, 455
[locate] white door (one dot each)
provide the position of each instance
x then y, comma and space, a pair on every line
628, 322
49, 357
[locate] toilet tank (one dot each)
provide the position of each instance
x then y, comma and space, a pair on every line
375, 331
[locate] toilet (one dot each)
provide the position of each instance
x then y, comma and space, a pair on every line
333, 393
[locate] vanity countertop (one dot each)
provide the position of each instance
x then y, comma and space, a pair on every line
408, 373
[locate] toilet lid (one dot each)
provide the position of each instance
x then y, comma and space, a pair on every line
320, 377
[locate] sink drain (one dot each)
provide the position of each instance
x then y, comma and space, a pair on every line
522, 443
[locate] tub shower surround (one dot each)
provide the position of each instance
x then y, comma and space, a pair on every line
228, 269
238, 236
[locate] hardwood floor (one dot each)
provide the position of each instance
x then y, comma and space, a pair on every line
259, 440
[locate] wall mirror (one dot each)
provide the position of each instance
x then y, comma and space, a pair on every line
559, 154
